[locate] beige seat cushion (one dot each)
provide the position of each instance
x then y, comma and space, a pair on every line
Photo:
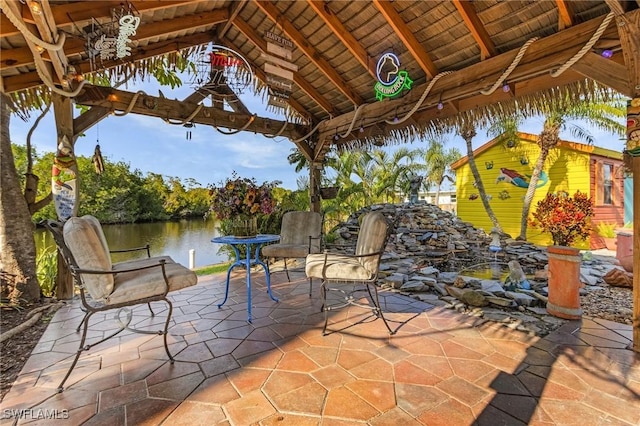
88, 250
285, 250
148, 282
339, 267
297, 227
97, 227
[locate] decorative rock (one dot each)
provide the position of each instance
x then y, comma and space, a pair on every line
521, 298
501, 301
619, 278
414, 286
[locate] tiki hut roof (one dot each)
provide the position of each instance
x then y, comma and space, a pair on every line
459, 54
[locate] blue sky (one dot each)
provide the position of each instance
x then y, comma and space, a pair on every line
151, 145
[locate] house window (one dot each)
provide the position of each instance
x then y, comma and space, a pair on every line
453, 198
607, 184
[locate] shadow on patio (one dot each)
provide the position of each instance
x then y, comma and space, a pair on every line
440, 368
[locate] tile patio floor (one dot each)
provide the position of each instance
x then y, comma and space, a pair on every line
441, 368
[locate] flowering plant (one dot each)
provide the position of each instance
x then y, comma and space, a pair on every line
565, 218
241, 197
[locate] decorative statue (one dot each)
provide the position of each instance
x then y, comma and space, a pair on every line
414, 186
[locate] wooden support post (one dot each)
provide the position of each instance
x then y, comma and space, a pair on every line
636, 254
633, 150
63, 112
314, 186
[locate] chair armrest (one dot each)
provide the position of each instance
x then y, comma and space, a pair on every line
146, 247
161, 263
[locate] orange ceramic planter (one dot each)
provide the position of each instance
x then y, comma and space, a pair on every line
564, 282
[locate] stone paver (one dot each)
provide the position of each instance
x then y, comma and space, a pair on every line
441, 367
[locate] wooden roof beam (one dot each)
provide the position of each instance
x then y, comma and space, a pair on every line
314, 56
323, 10
565, 14
68, 14
31, 79
16, 9
22, 56
404, 33
475, 25
542, 56
176, 110
46, 24
259, 42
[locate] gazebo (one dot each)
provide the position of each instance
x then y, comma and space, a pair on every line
346, 74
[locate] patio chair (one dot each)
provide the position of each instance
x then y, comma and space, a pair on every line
300, 235
105, 286
340, 271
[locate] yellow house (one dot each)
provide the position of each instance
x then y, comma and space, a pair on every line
506, 166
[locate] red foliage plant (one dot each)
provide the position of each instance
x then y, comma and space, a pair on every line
565, 218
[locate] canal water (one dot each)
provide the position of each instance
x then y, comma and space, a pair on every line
173, 239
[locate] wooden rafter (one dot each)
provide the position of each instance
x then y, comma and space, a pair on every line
12, 58
235, 11
46, 25
314, 56
404, 33
69, 14
261, 44
565, 14
464, 86
629, 31
178, 111
475, 25
331, 20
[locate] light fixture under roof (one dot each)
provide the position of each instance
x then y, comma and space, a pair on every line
35, 7
506, 88
607, 53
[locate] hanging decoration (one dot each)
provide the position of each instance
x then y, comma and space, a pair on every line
279, 69
64, 186
633, 127
221, 69
391, 79
98, 163
112, 40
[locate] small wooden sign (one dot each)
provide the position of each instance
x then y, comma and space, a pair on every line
280, 72
282, 41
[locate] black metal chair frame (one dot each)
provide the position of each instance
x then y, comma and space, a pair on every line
284, 259
90, 308
349, 299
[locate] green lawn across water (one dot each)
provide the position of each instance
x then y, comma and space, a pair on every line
212, 269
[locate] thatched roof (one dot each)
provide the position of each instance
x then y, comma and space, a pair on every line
454, 51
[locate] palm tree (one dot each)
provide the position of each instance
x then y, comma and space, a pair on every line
601, 114
468, 132
438, 161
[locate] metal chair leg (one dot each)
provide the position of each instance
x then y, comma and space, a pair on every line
376, 301
166, 331
286, 270
151, 310
81, 348
324, 308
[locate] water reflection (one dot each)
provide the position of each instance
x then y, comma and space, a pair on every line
174, 239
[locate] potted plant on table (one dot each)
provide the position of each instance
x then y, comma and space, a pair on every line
238, 202
567, 219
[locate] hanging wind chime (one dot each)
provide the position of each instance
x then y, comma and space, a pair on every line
98, 163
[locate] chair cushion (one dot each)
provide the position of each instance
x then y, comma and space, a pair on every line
339, 267
97, 227
145, 283
89, 253
298, 226
371, 238
285, 250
